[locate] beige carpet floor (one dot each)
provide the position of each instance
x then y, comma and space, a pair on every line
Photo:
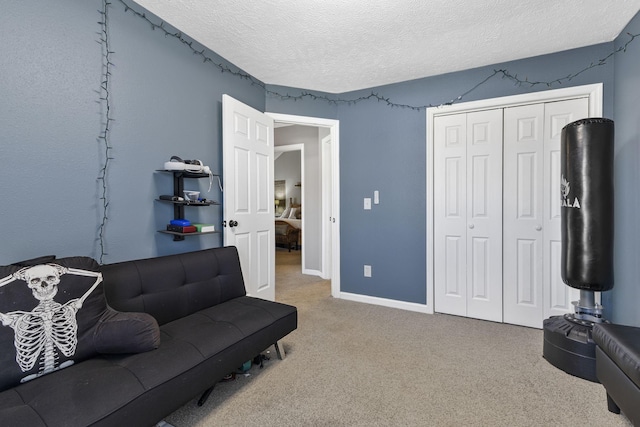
354, 364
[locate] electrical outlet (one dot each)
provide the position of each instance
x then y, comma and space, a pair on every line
367, 271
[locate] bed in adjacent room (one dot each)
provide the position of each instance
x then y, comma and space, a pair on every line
293, 215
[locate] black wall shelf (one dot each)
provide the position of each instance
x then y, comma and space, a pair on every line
179, 205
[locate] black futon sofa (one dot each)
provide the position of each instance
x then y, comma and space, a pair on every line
183, 322
618, 367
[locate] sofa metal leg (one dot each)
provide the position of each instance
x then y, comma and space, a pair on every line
612, 406
205, 396
279, 350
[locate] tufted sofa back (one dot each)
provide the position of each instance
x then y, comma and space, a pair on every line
174, 286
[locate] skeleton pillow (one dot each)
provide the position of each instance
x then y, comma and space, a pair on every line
53, 314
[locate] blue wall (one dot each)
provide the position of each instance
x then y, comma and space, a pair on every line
166, 101
624, 298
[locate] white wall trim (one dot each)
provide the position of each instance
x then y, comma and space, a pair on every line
594, 92
312, 272
327, 210
403, 305
288, 147
334, 128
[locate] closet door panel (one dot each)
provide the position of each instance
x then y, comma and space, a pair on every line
557, 295
484, 215
450, 210
454, 280
523, 211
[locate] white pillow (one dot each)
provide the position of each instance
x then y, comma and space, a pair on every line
285, 214
292, 214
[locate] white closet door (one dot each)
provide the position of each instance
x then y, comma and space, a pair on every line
557, 295
523, 214
468, 214
484, 215
450, 211
533, 287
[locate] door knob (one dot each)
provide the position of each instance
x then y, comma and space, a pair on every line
538, 227
233, 223
471, 226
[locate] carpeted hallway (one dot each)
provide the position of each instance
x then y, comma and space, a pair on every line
353, 364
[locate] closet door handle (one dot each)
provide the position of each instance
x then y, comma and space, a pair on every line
471, 226
538, 227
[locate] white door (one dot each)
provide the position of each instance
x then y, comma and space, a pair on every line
533, 287
450, 214
468, 214
248, 193
523, 214
557, 295
484, 215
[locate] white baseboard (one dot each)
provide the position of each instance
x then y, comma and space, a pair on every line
312, 272
403, 305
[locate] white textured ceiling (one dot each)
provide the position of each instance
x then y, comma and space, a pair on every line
342, 45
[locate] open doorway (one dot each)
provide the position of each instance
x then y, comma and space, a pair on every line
319, 196
288, 172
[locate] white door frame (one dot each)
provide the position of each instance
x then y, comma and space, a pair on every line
300, 148
593, 91
327, 208
334, 128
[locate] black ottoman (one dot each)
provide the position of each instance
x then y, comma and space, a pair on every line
618, 367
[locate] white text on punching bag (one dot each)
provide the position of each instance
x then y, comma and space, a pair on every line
565, 188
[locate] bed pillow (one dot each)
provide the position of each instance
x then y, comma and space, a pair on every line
285, 214
292, 214
64, 296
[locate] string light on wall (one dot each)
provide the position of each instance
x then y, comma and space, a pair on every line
105, 133
105, 95
373, 96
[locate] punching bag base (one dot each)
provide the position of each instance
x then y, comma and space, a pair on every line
568, 345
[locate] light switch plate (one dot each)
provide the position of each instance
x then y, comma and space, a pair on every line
367, 203
367, 271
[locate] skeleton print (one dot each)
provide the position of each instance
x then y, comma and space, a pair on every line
50, 328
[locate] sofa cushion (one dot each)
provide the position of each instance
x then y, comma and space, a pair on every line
78, 396
174, 286
622, 344
50, 310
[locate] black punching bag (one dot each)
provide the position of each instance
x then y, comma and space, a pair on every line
587, 204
